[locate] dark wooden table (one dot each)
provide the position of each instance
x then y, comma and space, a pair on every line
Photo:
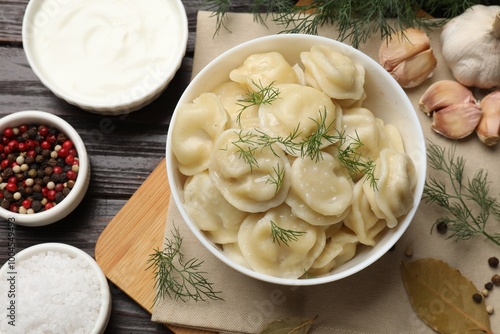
123, 151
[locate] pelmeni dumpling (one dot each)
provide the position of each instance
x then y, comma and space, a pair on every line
243, 115
303, 211
251, 178
323, 185
361, 219
197, 125
233, 252
360, 125
275, 258
396, 177
300, 110
339, 249
333, 72
394, 137
263, 69
210, 211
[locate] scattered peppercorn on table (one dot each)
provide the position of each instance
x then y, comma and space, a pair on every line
124, 151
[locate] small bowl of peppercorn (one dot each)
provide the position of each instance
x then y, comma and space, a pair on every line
44, 168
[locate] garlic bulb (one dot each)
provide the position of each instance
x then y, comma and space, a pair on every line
408, 57
471, 46
442, 94
488, 129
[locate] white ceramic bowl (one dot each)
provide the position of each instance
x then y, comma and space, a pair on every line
106, 57
72, 252
71, 201
386, 99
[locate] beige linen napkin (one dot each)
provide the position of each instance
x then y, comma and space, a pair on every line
371, 301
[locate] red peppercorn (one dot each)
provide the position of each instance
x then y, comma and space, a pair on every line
2, 146
14, 207
31, 153
68, 144
23, 128
73, 152
13, 144
59, 187
51, 195
57, 170
71, 175
22, 147
51, 138
69, 159
8, 132
12, 187
5, 163
43, 130
12, 179
45, 191
30, 144
45, 145
26, 204
63, 152
48, 206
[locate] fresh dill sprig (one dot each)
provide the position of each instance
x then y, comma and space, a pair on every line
356, 20
282, 235
277, 178
311, 146
177, 278
467, 201
262, 95
246, 146
353, 161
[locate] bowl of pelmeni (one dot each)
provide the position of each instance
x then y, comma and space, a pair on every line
296, 159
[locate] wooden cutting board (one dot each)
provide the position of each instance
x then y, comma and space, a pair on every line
123, 248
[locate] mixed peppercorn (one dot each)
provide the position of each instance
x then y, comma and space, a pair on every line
38, 168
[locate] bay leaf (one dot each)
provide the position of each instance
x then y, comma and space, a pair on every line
442, 297
292, 325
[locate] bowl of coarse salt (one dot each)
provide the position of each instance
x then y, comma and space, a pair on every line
53, 288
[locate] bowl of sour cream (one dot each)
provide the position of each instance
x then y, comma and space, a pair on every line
105, 56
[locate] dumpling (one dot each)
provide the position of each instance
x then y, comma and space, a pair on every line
231, 95
323, 185
300, 110
361, 219
359, 125
394, 137
197, 125
339, 249
251, 177
233, 252
304, 212
396, 177
334, 73
263, 69
210, 211
275, 258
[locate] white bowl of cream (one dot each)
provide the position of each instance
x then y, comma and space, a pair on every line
105, 56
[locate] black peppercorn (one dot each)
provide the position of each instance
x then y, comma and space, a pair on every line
37, 196
493, 262
36, 205
441, 225
488, 286
59, 197
477, 298
5, 203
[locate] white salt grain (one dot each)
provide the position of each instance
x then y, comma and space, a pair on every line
55, 293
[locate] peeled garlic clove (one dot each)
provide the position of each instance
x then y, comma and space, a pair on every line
488, 129
457, 121
413, 71
444, 93
401, 46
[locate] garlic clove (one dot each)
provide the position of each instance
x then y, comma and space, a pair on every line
401, 46
444, 93
413, 71
488, 129
457, 120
